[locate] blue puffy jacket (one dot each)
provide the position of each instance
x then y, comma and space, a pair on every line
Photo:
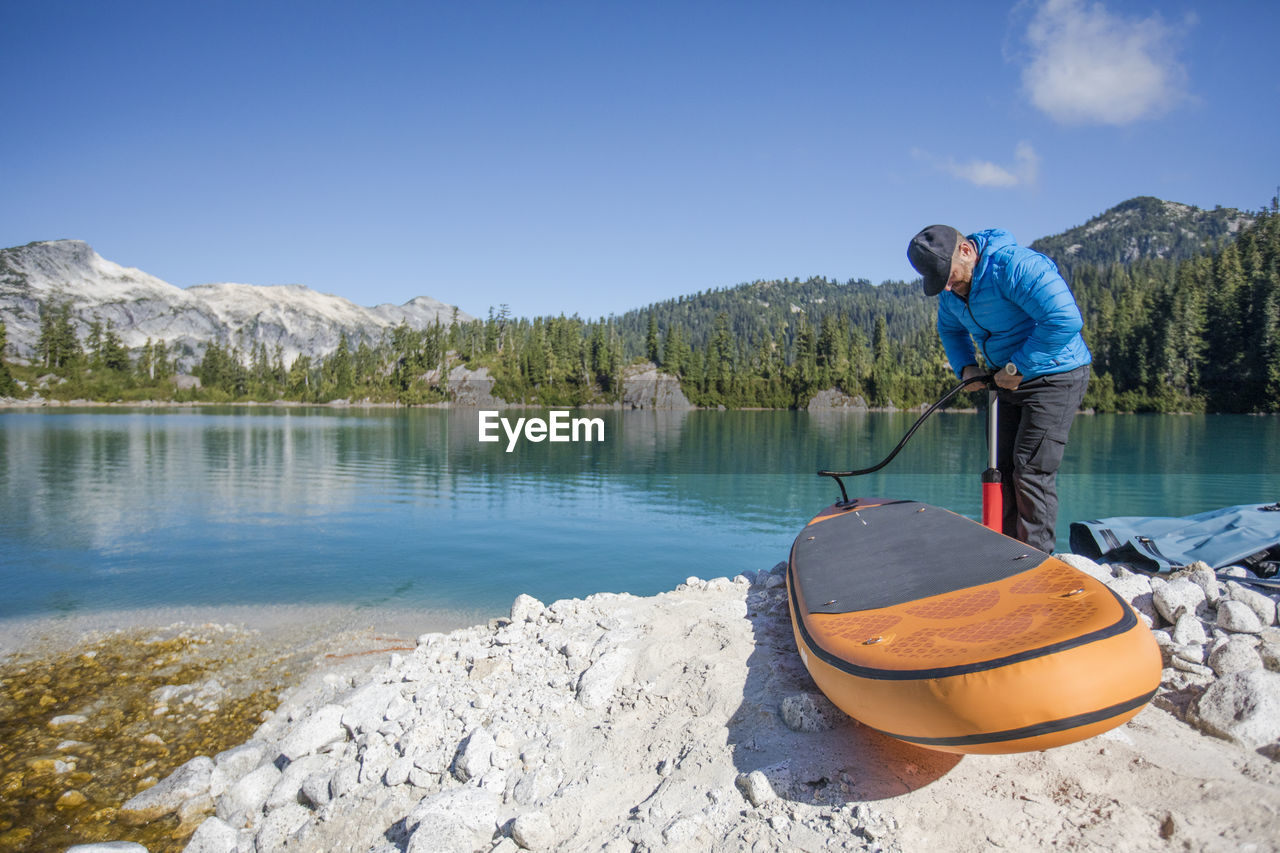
1018, 309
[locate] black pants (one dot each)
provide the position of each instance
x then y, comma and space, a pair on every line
1033, 422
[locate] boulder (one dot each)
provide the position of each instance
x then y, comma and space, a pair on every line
1261, 604
248, 795
474, 755
189, 782
811, 712
756, 788
458, 819
1238, 654
314, 733
213, 836
366, 708
1243, 707
526, 608
1204, 577
1173, 597
1136, 589
534, 831
833, 399
1238, 618
599, 683
1188, 630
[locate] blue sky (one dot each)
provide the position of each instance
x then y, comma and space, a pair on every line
591, 157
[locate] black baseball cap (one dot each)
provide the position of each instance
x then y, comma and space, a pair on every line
930, 253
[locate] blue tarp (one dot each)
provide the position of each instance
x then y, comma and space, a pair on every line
1246, 535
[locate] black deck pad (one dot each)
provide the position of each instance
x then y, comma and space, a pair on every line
898, 552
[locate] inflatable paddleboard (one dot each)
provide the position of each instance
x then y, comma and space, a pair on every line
937, 631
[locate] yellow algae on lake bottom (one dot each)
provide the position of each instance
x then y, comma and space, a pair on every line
82, 731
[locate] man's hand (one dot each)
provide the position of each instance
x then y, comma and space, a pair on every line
971, 371
1008, 381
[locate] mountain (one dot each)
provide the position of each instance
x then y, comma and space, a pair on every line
1143, 227
1139, 228
140, 306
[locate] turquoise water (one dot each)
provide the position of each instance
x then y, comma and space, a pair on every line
109, 509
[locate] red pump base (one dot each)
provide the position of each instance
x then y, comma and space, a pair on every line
992, 502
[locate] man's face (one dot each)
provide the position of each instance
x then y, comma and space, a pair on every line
962, 263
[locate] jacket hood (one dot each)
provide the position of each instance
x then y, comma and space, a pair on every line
990, 241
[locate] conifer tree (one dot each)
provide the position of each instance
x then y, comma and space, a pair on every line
8, 387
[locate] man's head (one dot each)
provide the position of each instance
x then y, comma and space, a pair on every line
944, 258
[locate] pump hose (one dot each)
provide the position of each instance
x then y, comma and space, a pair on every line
988, 379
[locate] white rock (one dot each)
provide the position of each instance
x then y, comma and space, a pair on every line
375, 760
188, 782
526, 608
600, 682
811, 712
249, 794
1173, 597
1191, 666
108, 847
398, 772
1189, 630
755, 787
537, 785
1238, 617
345, 780
231, 765
366, 707
533, 831
315, 732
1238, 654
1193, 653
67, 720
458, 819
280, 826
1204, 577
1243, 707
317, 788
1089, 567
213, 836
474, 755
286, 789
680, 832
1263, 605
1136, 589
1237, 572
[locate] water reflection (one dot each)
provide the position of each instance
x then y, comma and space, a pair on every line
136, 508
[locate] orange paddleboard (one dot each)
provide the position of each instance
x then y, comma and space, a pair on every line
935, 630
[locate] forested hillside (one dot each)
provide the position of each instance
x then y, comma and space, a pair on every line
1190, 323
1143, 228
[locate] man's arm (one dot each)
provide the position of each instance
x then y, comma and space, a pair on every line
956, 342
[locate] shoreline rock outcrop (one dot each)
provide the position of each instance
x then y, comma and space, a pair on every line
686, 721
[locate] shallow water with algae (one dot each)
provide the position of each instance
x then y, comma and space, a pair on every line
84, 729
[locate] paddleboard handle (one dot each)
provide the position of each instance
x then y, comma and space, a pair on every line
987, 379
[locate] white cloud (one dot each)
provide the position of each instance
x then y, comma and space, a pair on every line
1088, 66
983, 173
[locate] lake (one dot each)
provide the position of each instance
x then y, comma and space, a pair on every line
104, 509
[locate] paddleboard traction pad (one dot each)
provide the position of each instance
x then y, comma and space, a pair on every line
901, 551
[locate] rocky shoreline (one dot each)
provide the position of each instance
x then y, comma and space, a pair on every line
686, 721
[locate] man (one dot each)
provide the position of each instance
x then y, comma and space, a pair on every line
1012, 303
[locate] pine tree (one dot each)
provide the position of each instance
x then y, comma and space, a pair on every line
651, 350
8, 387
